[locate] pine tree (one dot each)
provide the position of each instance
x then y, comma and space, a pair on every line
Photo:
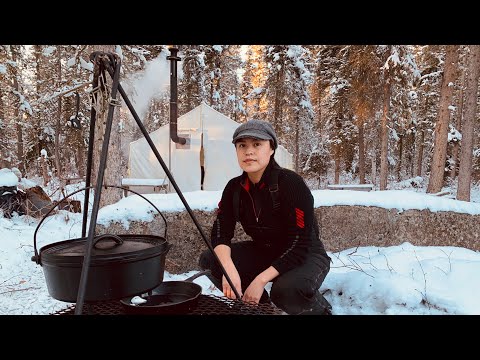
441, 128
191, 89
254, 77
288, 79
465, 171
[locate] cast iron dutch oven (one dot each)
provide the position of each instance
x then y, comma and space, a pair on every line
120, 265
170, 297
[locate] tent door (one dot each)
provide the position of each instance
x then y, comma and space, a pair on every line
202, 161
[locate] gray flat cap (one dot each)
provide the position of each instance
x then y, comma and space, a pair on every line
257, 129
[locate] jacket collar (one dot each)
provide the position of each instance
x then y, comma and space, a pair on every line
264, 180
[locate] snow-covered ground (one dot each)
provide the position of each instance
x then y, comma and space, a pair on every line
403, 279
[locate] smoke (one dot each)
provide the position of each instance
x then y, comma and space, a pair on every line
149, 84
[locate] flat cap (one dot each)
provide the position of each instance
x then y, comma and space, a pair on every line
257, 129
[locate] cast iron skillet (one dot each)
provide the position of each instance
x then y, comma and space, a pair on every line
170, 297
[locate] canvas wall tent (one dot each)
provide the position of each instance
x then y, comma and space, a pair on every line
202, 125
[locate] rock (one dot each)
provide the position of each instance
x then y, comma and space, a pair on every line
38, 203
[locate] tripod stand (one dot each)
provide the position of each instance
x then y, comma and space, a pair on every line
110, 63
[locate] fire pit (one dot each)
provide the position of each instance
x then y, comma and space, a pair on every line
207, 305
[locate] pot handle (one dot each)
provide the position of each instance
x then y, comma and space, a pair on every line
36, 257
197, 275
144, 198
118, 240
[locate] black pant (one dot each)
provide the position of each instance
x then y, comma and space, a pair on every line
295, 292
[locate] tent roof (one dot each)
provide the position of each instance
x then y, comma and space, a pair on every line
203, 107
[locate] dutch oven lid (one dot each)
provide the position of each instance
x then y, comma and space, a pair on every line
106, 248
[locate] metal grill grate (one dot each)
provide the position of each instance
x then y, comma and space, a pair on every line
207, 305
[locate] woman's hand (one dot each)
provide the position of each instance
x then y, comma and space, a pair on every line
224, 254
254, 291
235, 277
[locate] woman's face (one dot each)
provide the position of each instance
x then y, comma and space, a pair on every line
253, 156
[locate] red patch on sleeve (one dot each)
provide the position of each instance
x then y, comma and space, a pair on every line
300, 218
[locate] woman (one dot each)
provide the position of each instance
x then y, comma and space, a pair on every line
275, 208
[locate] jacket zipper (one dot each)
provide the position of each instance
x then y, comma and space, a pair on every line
253, 205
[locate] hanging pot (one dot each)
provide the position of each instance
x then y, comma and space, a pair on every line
120, 265
170, 297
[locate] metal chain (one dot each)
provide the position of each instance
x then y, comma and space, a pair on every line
115, 102
103, 94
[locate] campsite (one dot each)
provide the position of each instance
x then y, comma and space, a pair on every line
124, 157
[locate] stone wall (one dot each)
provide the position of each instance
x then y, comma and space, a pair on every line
342, 227
350, 226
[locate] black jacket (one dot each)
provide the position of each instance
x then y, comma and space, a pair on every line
291, 233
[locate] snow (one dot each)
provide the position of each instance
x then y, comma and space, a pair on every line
396, 280
8, 178
135, 208
141, 182
394, 199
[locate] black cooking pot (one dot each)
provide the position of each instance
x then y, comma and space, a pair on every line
170, 297
120, 265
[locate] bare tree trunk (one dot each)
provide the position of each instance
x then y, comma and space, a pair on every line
361, 153
400, 153
458, 126
387, 90
20, 154
211, 94
337, 166
319, 112
411, 153
4, 147
3, 155
421, 145
297, 145
39, 81
374, 168
465, 171
16, 114
435, 183
257, 108
217, 85
59, 117
44, 166
113, 171
2, 104
278, 104
79, 153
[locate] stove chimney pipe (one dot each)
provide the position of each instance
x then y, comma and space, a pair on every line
173, 97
